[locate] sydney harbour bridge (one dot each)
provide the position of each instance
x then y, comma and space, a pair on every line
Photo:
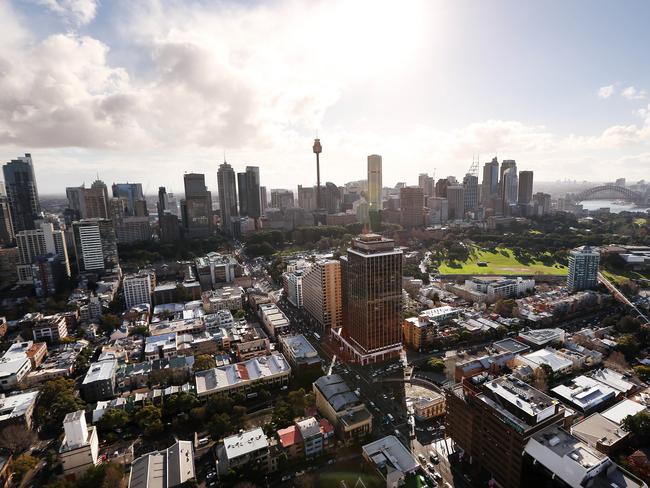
605, 191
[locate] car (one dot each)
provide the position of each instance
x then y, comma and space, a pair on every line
357, 377
437, 476
430, 429
331, 461
421, 458
286, 477
431, 468
434, 457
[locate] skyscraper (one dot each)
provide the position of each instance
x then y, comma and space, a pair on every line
89, 203
281, 198
411, 206
525, 194
196, 207
470, 185
249, 192
509, 186
227, 196
583, 268
441, 187
456, 202
321, 293
506, 164
307, 197
132, 193
20, 185
372, 331
95, 245
264, 202
490, 184
428, 184
374, 182
6, 226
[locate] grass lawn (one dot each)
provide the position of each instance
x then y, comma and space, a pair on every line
501, 262
620, 275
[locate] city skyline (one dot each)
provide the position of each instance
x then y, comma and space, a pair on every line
166, 95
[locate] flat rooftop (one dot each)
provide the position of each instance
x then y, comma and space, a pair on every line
511, 345
622, 409
13, 406
597, 429
521, 396
102, 370
245, 442
389, 453
584, 393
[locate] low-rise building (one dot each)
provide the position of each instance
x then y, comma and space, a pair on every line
18, 409
250, 342
12, 371
50, 329
224, 298
311, 436
540, 338
194, 325
614, 380
491, 289
342, 407
99, 382
427, 330
274, 320
272, 370
161, 346
554, 453
299, 351
79, 449
164, 469
249, 448
600, 433
585, 394
558, 362
393, 461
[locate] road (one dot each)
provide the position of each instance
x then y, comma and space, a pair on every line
618, 295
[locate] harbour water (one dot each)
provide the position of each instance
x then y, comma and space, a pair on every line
615, 206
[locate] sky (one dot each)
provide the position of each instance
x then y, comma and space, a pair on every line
143, 91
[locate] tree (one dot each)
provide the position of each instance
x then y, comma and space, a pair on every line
110, 322
57, 399
23, 464
203, 362
219, 426
282, 414
643, 372
435, 364
297, 400
638, 424
505, 307
628, 345
540, 379
16, 438
113, 420
149, 419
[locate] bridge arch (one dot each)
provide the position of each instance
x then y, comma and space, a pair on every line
626, 193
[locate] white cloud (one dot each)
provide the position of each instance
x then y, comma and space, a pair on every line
606, 91
631, 93
76, 12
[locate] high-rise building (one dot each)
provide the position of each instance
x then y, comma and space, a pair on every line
470, 186
264, 202
138, 288
89, 203
428, 184
506, 164
542, 202
20, 185
331, 198
321, 293
95, 245
48, 274
373, 289
525, 193
282, 199
249, 192
196, 207
42, 241
438, 210
7, 235
441, 187
227, 197
374, 182
132, 193
128, 228
411, 206
492, 421
509, 185
456, 202
583, 268
307, 197
490, 184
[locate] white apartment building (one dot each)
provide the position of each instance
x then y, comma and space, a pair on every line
33, 243
138, 288
79, 450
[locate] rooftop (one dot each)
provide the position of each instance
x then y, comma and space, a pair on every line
300, 347
511, 345
336, 392
216, 379
163, 469
308, 427
102, 370
613, 379
389, 453
597, 429
622, 409
541, 337
522, 397
245, 442
14, 406
549, 357
585, 393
